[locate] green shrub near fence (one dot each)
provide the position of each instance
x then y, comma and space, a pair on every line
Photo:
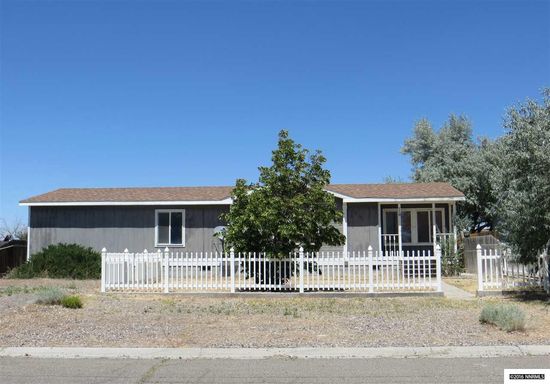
61, 261
507, 317
452, 263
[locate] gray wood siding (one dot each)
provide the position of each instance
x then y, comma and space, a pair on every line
133, 227
362, 226
120, 227
340, 226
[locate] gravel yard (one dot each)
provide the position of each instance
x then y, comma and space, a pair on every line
147, 320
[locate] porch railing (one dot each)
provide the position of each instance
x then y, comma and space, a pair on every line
390, 241
441, 238
364, 271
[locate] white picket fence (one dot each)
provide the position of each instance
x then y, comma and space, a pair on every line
498, 271
173, 271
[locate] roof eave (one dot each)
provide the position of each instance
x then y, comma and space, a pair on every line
403, 199
229, 201
24, 203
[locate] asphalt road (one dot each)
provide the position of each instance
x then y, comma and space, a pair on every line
380, 370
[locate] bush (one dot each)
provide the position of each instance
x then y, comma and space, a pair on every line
49, 296
507, 317
452, 263
71, 302
61, 261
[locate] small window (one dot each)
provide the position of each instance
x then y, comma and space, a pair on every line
170, 229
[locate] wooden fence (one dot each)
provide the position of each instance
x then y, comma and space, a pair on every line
369, 271
497, 270
470, 243
12, 255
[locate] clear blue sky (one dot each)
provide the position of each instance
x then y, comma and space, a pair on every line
149, 93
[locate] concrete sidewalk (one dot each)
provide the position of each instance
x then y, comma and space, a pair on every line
264, 353
452, 292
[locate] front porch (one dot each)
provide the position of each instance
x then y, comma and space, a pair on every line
402, 226
416, 227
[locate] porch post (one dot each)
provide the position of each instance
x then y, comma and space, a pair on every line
345, 227
434, 227
379, 229
399, 227
453, 223
28, 233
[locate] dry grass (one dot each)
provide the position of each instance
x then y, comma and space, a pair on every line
156, 320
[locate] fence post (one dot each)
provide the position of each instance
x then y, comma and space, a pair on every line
438, 266
103, 268
166, 270
121, 278
232, 264
371, 274
301, 270
479, 269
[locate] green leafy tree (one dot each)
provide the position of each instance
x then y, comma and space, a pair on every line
287, 208
523, 178
452, 155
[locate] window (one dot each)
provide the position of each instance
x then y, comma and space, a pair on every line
169, 227
416, 224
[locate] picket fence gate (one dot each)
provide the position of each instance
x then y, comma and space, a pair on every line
496, 270
367, 271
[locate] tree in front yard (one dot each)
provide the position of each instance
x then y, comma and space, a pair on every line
506, 181
287, 208
523, 178
451, 155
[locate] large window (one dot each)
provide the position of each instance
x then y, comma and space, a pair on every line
416, 224
169, 227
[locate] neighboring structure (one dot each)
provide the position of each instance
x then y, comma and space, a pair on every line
13, 253
487, 241
389, 217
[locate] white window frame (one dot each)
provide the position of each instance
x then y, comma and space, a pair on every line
170, 211
414, 224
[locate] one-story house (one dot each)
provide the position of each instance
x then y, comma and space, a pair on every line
388, 217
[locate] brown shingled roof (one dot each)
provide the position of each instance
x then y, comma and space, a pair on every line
133, 194
396, 191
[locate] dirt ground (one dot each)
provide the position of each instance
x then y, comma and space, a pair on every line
177, 320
